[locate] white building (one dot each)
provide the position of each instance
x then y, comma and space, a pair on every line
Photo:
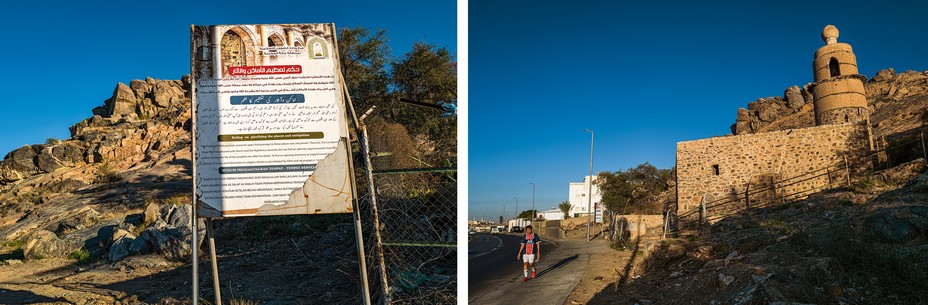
579, 200
552, 214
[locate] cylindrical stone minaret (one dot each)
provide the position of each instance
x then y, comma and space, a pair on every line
838, 90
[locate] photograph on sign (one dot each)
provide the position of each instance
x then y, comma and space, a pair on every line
270, 121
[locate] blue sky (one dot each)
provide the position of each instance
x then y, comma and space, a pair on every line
643, 76
62, 58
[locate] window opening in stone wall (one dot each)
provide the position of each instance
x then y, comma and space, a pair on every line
716, 169
835, 67
232, 49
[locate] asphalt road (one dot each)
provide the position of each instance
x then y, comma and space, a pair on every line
492, 261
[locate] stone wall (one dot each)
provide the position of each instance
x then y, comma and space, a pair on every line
724, 169
643, 224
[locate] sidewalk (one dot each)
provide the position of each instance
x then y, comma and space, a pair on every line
558, 273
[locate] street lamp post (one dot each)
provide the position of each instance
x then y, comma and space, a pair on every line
590, 194
533, 201
504, 211
517, 206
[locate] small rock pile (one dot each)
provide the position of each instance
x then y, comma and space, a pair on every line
166, 231
163, 230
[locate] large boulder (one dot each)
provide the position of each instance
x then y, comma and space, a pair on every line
807, 93
69, 153
899, 224
139, 246
81, 220
18, 164
140, 87
120, 247
742, 123
123, 101
168, 242
21, 159
178, 217
165, 93
43, 244
884, 75
767, 109
8, 174
46, 162
170, 234
794, 98
94, 121
151, 213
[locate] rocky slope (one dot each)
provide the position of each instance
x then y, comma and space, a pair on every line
132, 152
863, 244
103, 218
896, 102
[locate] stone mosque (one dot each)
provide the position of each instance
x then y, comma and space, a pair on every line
750, 169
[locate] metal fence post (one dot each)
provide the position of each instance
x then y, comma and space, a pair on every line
366, 151
702, 211
847, 170
356, 202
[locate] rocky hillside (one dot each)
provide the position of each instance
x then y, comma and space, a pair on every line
862, 244
109, 208
896, 102
132, 151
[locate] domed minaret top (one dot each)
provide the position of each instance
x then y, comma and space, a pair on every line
838, 91
830, 34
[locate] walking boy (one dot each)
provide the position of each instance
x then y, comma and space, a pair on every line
529, 252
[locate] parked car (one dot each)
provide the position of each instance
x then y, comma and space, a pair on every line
515, 229
494, 230
472, 232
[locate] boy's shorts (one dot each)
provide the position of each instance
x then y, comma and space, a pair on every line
528, 258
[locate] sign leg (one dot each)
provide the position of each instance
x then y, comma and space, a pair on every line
194, 253
212, 258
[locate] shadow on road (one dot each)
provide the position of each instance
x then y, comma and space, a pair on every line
559, 264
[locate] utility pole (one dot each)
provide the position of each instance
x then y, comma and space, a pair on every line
533, 201
590, 194
517, 206
504, 211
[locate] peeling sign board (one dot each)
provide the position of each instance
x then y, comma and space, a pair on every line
270, 125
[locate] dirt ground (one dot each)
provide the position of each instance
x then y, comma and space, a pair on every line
298, 265
606, 269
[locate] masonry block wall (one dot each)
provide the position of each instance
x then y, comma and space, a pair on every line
639, 225
724, 168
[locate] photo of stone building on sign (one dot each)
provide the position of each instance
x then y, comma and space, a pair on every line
223, 47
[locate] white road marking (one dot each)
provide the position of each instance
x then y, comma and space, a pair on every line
499, 245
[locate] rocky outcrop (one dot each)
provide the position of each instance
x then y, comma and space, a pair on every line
138, 120
766, 111
163, 230
888, 94
146, 98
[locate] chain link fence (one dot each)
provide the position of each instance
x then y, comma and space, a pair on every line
408, 191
